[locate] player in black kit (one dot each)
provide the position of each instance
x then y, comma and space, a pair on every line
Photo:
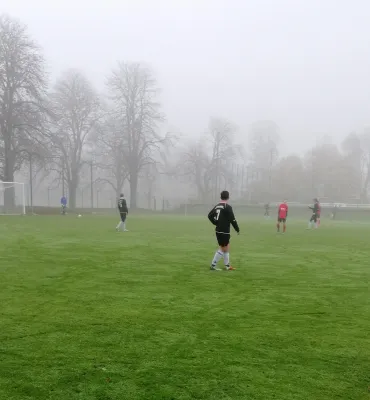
316, 210
222, 216
123, 211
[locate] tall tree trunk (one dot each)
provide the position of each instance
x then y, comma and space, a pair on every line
72, 189
133, 191
120, 184
150, 196
9, 192
72, 196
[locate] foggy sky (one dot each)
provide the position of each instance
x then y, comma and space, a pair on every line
304, 64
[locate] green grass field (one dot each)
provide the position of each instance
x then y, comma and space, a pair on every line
88, 313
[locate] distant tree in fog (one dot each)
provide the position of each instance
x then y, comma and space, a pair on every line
208, 160
328, 174
289, 179
195, 163
111, 152
263, 137
134, 93
22, 90
264, 141
221, 137
76, 110
356, 147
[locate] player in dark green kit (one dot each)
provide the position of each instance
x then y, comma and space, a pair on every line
123, 211
316, 210
222, 216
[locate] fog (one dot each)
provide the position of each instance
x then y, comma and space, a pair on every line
303, 65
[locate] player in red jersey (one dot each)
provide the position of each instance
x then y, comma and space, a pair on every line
282, 216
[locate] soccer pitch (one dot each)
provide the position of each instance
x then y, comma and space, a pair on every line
88, 313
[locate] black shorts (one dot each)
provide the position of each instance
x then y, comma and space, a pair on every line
283, 220
123, 216
223, 239
314, 218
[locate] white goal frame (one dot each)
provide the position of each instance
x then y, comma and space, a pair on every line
22, 195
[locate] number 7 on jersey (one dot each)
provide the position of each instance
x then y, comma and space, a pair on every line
217, 214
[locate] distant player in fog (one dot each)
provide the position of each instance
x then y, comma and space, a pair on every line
63, 203
267, 210
123, 211
316, 210
282, 216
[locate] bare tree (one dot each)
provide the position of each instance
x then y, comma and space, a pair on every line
208, 161
110, 153
356, 147
289, 180
22, 89
134, 91
264, 141
76, 112
195, 163
221, 139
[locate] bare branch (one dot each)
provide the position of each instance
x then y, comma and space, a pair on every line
76, 111
22, 94
136, 114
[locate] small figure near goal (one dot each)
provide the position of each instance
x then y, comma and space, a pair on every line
63, 202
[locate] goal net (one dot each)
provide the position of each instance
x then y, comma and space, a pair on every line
12, 198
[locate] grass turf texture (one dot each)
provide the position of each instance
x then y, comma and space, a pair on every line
88, 313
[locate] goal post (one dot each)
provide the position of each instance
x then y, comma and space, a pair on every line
12, 198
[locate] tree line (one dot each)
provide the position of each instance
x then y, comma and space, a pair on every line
68, 127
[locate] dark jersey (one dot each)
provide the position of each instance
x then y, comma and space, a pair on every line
122, 206
316, 208
222, 216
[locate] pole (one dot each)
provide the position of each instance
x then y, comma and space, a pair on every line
23, 200
31, 183
312, 172
91, 185
48, 197
63, 188
270, 173
242, 180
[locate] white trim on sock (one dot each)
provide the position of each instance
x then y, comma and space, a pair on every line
227, 258
217, 257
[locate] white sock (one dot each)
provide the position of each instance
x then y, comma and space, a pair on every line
124, 226
119, 225
309, 224
217, 257
227, 259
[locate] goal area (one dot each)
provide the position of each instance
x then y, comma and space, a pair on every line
12, 198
